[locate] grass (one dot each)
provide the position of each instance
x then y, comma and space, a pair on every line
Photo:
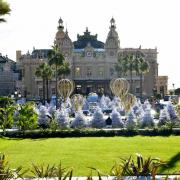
81, 153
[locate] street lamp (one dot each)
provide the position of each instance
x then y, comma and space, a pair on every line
16, 95
173, 88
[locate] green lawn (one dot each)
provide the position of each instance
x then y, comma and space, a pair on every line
81, 153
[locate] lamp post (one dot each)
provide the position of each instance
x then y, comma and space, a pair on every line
173, 88
16, 95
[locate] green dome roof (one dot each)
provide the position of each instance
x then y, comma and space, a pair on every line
83, 40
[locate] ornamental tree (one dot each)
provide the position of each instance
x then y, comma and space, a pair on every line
6, 117
98, 120
116, 119
79, 121
26, 117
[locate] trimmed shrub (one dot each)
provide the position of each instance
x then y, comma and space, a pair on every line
98, 120
79, 121
116, 119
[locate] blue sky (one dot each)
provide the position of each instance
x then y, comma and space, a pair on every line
149, 23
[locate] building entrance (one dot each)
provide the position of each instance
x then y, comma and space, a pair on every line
89, 89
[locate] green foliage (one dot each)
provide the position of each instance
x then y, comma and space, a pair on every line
53, 124
121, 66
99, 173
129, 63
4, 9
45, 72
27, 117
48, 171
57, 60
6, 117
156, 116
60, 66
116, 170
6, 173
64, 69
140, 167
41, 171
62, 172
55, 57
54, 132
177, 91
158, 96
5, 101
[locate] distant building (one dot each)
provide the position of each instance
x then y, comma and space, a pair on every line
162, 85
8, 76
92, 63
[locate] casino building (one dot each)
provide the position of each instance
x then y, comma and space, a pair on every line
92, 63
8, 76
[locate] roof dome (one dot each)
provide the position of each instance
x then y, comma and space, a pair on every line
87, 38
60, 35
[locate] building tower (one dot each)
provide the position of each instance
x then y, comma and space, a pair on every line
63, 41
112, 44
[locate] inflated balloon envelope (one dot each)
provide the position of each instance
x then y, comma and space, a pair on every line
120, 88
77, 101
65, 88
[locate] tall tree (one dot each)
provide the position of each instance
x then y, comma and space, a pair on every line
6, 116
49, 74
121, 66
44, 71
126, 63
64, 69
131, 67
4, 9
57, 60
141, 67
26, 117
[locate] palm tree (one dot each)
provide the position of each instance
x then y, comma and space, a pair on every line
49, 74
45, 72
121, 66
126, 63
4, 9
143, 67
56, 59
130, 67
64, 69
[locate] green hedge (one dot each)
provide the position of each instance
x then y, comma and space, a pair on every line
47, 133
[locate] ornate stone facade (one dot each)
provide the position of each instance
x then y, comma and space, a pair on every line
8, 76
162, 85
92, 63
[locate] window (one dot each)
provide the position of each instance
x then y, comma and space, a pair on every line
89, 72
111, 71
53, 91
23, 72
40, 92
77, 71
101, 71
78, 89
137, 90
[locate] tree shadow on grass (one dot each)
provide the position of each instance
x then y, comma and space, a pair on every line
171, 163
